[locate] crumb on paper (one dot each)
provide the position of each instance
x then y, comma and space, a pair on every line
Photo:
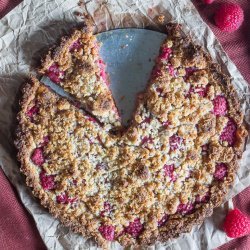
124, 46
79, 14
161, 19
127, 36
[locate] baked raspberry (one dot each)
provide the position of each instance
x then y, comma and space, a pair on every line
189, 72
32, 111
146, 139
91, 119
220, 105
163, 220
37, 157
229, 17
54, 73
165, 53
103, 74
169, 171
236, 224
147, 120
201, 91
45, 141
75, 46
47, 181
76, 104
175, 142
185, 208
171, 70
156, 72
64, 199
220, 171
229, 133
202, 199
134, 228
107, 232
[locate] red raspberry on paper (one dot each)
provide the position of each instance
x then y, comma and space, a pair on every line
208, 1
236, 224
229, 17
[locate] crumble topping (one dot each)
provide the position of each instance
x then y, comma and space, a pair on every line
151, 182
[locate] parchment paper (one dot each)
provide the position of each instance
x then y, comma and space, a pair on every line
24, 34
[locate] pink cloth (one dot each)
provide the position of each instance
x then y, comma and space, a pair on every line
17, 228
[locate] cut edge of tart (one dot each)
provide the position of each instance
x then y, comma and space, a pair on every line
184, 217
77, 67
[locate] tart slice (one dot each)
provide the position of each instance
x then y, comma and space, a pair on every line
78, 68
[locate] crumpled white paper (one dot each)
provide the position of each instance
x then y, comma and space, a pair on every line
25, 34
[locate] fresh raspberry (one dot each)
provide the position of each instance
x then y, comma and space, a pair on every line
229, 17
32, 111
208, 1
169, 171
134, 228
65, 199
229, 133
47, 181
37, 157
175, 142
220, 171
107, 232
165, 53
220, 105
185, 208
163, 220
75, 46
54, 73
236, 224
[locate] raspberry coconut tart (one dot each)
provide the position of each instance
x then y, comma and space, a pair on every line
157, 179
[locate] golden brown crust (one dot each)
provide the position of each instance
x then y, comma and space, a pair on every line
136, 172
